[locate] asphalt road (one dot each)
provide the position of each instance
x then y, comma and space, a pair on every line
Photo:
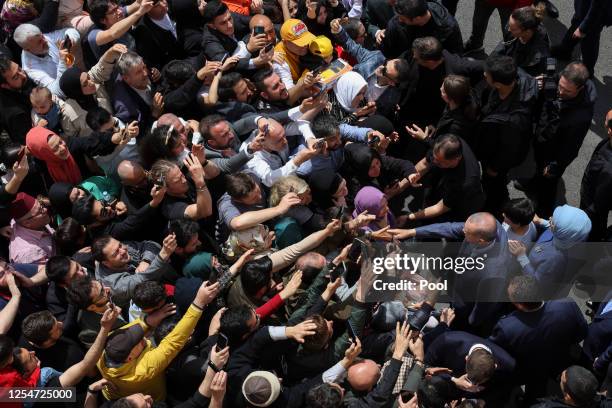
570, 190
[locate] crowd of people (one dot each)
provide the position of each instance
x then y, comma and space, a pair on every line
190, 190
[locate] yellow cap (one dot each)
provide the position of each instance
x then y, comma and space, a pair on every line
295, 30
321, 46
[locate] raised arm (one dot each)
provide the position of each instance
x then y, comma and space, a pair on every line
121, 27
8, 313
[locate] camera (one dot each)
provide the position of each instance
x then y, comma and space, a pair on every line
550, 79
420, 318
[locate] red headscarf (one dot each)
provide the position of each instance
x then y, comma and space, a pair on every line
60, 170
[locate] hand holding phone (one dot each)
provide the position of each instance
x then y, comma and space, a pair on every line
222, 341
67, 43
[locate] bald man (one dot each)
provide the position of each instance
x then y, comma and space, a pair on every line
261, 20
136, 185
596, 187
477, 289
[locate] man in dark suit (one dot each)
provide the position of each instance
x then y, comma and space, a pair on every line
133, 97
478, 366
597, 345
542, 336
156, 37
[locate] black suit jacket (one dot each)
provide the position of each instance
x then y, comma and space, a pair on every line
155, 45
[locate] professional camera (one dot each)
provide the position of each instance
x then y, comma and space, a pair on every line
550, 79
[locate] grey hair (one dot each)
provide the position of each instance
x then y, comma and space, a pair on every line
24, 32
128, 61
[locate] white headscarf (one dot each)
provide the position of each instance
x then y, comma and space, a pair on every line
347, 87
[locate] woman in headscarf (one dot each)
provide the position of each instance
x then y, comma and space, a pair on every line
328, 190
549, 260
63, 195
86, 90
66, 160
364, 166
348, 98
373, 201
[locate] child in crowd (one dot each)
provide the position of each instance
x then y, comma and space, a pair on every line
518, 221
46, 110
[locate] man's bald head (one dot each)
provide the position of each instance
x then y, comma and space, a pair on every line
310, 264
168, 119
265, 22
363, 375
480, 228
131, 173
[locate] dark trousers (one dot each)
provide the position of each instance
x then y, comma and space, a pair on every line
451, 5
496, 192
589, 45
480, 21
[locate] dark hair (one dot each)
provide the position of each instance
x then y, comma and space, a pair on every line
260, 76
184, 230
581, 385
97, 11
323, 396
434, 392
82, 210
403, 70
501, 68
175, 73
67, 236
255, 275
164, 328
17, 363
321, 337
227, 84
5, 65
36, 328
6, 348
519, 211
480, 366
457, 88
208, 122
122, 403
351, 26
239, 185
411, 8
529, 17
97, 117
449, 146
57, 267
97, 247
148, 294
79, 292
325, 125
524, 290
577, 73
158, 145
273, 11
234, 322
10, 154
428, 48
213, 9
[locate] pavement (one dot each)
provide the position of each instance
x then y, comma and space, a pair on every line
569, 191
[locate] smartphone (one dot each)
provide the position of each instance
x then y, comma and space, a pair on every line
21, 154
319, 144
160, 182
336, 272
355, 250
196, 138
67, 43
340, 213
222, 341
406, 396
224, 58
351, 331
214, 276
110, 302
266, 130
319, 93
268, 48
257, 30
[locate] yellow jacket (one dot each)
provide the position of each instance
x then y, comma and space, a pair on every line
146, 374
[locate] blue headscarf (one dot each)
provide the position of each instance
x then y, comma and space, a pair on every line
571, 226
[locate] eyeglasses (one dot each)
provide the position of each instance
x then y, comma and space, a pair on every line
384, 71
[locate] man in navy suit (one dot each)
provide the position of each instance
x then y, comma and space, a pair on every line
542, 336
478, 366
477, 293
597, 345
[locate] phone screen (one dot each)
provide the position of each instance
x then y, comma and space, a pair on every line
221, 341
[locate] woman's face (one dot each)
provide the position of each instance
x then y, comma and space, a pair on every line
88, 87
58, 147
374, 170
342, 190
293, 8
322, 16
359, 97
384, 208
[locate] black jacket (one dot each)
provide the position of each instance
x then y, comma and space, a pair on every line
155, 45
562, 128
376, 15
596, 188
215, 45
505, 127
531, 57
600, 402
189, 25
443, 26
62, 310
15, 110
